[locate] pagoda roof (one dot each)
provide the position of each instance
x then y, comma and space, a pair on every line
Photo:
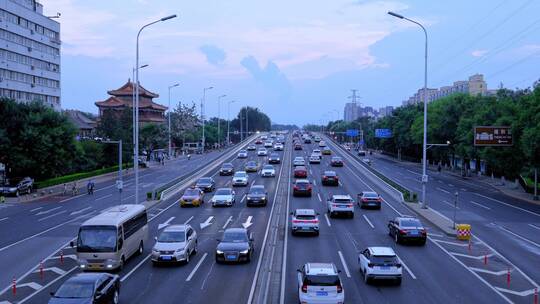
127, 89
115, 102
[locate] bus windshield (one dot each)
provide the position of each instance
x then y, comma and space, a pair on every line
97, 239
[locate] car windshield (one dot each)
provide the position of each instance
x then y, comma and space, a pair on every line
234, 237
205, 180
191, 192
268, 167
251, 163
75, 290
97, 239
342, 201
256, 190
321, 280
243, 151
410, 223
172, 237
305, 217
240, 174
383, 260
227, 166
223, 192
371, 195
330, 173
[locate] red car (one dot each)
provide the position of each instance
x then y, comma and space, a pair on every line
330, 178
300, 171
258, 142
302, 187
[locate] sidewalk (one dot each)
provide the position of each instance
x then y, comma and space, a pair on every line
508, 187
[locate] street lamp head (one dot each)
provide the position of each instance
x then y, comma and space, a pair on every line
209, 88
143, 66
168, 17
395, 15
174, 85
224, 95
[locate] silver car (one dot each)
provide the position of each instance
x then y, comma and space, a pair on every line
223, 197
305, 221
268, 171
176, 243
240, 178
299, 161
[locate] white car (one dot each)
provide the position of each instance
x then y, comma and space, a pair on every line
268, 171
278, 147
176, 243
314, 159
380, 263
320, 283
340, 204
262, 152
299, 161
240, 178
322, 144
316, 152
242, 154
268, 144
223, 197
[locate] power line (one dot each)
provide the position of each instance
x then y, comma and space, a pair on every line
508, 67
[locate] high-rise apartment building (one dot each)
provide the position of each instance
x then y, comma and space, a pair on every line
29, 53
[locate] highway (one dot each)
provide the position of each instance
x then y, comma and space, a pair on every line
443, 271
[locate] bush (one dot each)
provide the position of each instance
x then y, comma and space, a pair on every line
76, 176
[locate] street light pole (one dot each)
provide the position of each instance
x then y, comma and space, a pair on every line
136, 126
203, 139
219, 119
424, 204
133, 99
247, 120
170, 87
229, 121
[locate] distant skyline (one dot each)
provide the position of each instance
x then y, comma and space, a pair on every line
295, 60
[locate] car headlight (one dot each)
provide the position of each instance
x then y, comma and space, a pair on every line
219, 252
249, 197
244, 251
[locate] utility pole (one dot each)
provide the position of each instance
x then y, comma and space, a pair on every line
247, 126
241, 130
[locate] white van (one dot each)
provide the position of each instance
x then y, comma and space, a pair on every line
107, 240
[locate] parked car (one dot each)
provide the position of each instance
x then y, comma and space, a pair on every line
302, 187
320, 283
300, 171
340, 204
85, 288
176, 243
336, 161
23, 187
304, 221
380, 263
192, 196
236, 245
330, 178
369, 199
407, 229
257, 196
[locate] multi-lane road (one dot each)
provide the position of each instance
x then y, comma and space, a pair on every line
443, 271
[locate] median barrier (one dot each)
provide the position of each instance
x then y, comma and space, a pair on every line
463, 232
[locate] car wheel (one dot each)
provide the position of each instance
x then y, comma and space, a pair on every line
396, 238
187, 257
141, 248
116, 296
249, 257
122, 263
195, 249
398, 281
17, 193
352, 215
423, 242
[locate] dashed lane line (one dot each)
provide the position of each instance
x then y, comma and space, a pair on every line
135, 268
407, 268
520, 237
103, 197
196, 267
480, 205
52, 215
3, 219
319, 197
344, 264
534, 226
450, 204
506, 204
368, 221
36, 209
442, 190
327, 220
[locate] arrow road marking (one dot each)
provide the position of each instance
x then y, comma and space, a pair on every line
48, 211
79, 211
229, 220
248, 222
165, 224
206, 223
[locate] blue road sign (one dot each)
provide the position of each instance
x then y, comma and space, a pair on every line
383, 133
351, 132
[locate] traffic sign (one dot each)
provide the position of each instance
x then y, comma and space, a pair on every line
493, 136
352, 132
383, 133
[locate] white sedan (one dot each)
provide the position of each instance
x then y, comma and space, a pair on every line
240, 178
268, 171
299, 161
223, 197
262, 152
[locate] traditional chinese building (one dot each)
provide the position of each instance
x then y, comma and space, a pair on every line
149, 111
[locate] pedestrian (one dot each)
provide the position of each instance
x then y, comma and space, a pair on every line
74, 188
439, 168
64, 193
2, 199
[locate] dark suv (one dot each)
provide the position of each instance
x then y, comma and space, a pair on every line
23, 187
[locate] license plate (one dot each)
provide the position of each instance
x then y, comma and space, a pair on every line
414, 232
342, 206
231, 257
166, 258
322, 293
385, 267
305, 228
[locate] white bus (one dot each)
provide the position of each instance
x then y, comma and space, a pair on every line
107, 240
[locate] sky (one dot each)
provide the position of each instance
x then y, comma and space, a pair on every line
297, 61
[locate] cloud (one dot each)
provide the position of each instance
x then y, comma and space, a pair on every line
479, 53
214, 55
270, 77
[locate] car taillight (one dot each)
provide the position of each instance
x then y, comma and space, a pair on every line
364, 200
296, 221
304, 288
325, 177
336, 177
370, 265
339, 288
379, 200
309, 188
402, 231
423, 231
349, 205
295, 187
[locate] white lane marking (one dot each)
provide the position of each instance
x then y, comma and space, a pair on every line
451, 185
229, 220
186, 222
36, 209
165, 224
497, 273
128, 197
520, 237
3, 219
509, 205
344, 264
518, 293
284, 254
327, 220
435, 234
135, 268
206, 223
440, 181
73, 197
407, 268
471, 271
243, 198
453, 243
33, 285
47, 285
449, 204
534, 226
49, 216
248, 222
196, 267
368, 221
442, 190
414, 172
480, 205
104, 197
319, 197
474, 257
340, 183
47, 211
80, 211
463, 190
314, 183
253, 182
53, 269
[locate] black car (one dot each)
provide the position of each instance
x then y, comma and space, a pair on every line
226, 169
206, 184
257, 196
330, 178
23, 187
88, 288
369, 199
274, 158
235, 246
336, 161
407, 229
